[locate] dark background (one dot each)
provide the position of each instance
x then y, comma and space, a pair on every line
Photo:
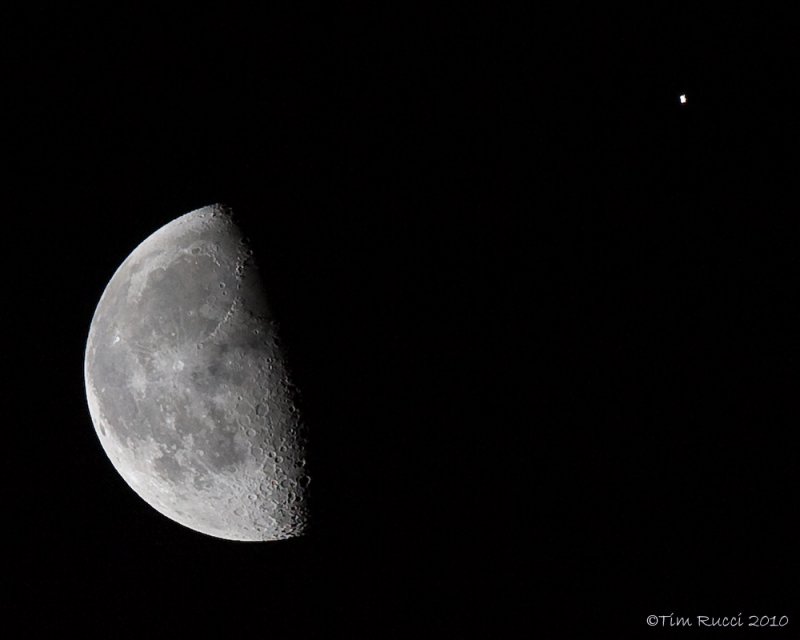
544, 317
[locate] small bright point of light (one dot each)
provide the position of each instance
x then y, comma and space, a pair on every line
683, 98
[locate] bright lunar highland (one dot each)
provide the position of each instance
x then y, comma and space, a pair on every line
188, 388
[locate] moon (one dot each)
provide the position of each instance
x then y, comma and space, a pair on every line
188, 388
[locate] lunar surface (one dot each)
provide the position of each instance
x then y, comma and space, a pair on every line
188, 389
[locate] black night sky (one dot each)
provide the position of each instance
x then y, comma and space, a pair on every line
543, 315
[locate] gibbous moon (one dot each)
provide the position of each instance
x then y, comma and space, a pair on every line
188, 389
